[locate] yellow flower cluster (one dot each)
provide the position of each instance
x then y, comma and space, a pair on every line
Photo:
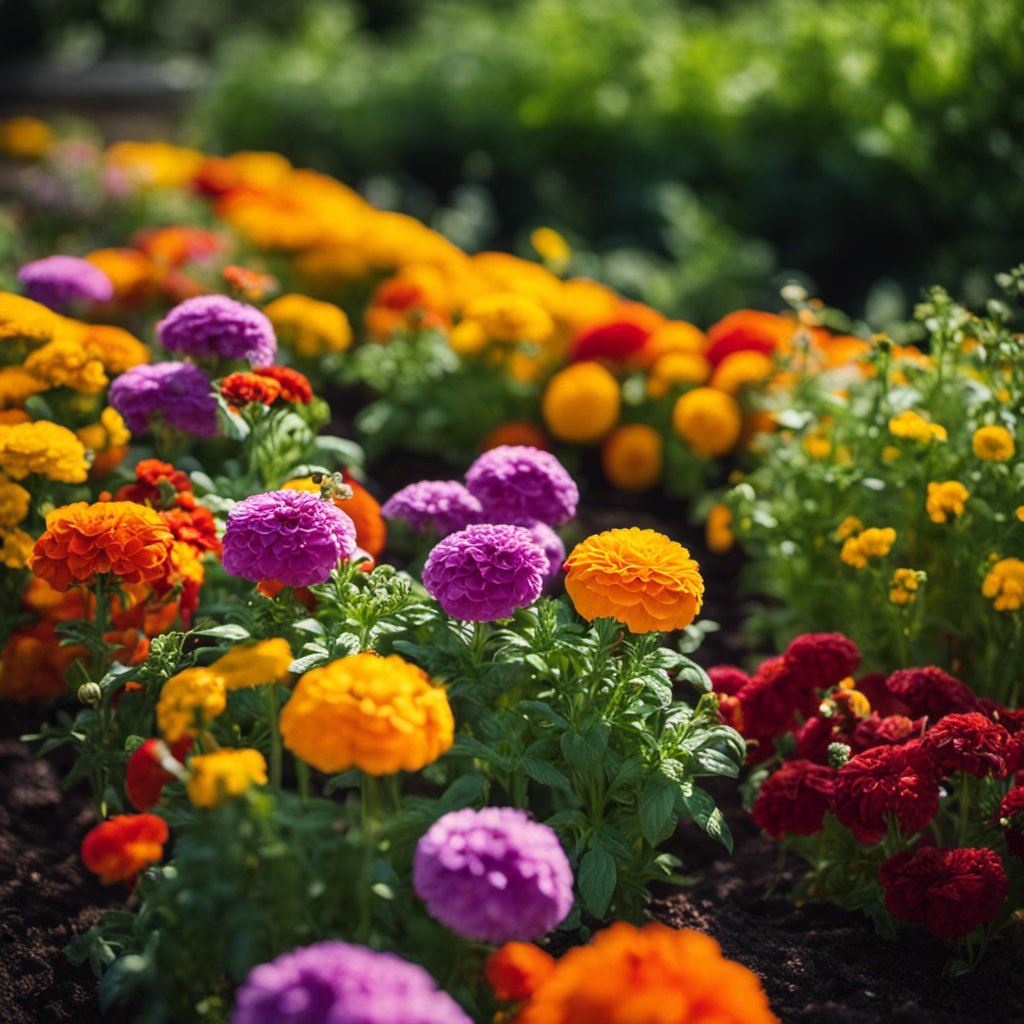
309, 327
28, 325
44, 448
256, 665
509, 318
214, 778
848, 527
187, 701
945, 499
870, 543
1004, 583
911, 426
67, 363
708, 420
14, 501
27, 138
109, 432
16, 547
904, 586
994, 444
114, 347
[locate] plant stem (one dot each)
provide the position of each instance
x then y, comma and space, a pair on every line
302, 771
270, 698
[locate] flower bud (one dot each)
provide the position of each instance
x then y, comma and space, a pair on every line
133, 743
89, 694
838, 754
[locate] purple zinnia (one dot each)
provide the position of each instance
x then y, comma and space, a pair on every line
214, 325
550, 543
179, 392
293, 537
58, 281
336, 983
515, 482
485, 572
493, 875
443, 506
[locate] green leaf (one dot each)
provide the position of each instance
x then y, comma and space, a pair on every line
583, 751
543, 772
230, 631
461, 793
472, 747
309, 661
692, 673
714, 762
656, 808
538, 709
702, 809
596, 880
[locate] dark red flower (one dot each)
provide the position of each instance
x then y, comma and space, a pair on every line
1012, 810
615, 341
813, 738
295, 387
195, 527
158, 484
145, 779
822, 660
767, 705
242, 388
875, 686
968, 743
884, 782
930, 691
891, 731
727, 679
794, 799
949, 891
120, 847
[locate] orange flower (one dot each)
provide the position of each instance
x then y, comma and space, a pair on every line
517, 970
582, 403
650, 975
519, 432
362, 508
121, 847
115, 348
32, 663
718, 533
708, 420
631, 457
131, 272
639, 577
81, 540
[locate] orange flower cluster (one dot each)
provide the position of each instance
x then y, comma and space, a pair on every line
239, 389
119, 848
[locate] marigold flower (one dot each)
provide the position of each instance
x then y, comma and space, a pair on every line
67, 363
364, 711
748, 330
718, 533
145, 776
467, 339
58, 281
870, 543
1004, 582
517, 970
794, 799
632, 457
892, 731
638, 577
767, 705
27, 138
709, 421
949, 891
649, 975
904, 586
674, 368
122, 846
442, 506
178, 393
362, 508
514, 483
909, 425
14, 502
17, 385
132, 274
195, 527
510, 318
552, 248
213, 778
255, 664
581, 403
42, 447
216, 326
119, 537
727, 679
153, 164
15, 547
740, 370
187, 701
945, 499
822, 660
239, 389
675, 336
309, 327
994, 444
618, 341
110, 433
930, 691
968, 743
295, 386
521, 433
848, 527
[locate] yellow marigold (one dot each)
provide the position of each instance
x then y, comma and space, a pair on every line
153, 164
187, 701
994, 444
649, 975
308, 326
552, 248
67, 363
132, 273
709, 421
510, 318
114, 347
214, 778
870, 543
255, 665
817, 447
848, 527
718, 533
27, 138
582, 403
741, 369
1019, 513
639, 577
674, 368
632, 457
25, 325
364, 711
467, 338
14, 501
674, 336
1005, 583
260, 169
16, 549
16, 385
904, 586
945, 499
910, 426
890, 452
582, 303
42, 447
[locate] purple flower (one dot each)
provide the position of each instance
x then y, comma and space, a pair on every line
493, 875
485, 572
214, 325
443, 506
58, 281
180, 393
515, 482
293, 537
336, 983
550, 543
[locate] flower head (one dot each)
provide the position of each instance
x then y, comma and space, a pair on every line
823, 660
295, 386
794, 799
892, 730
362, 508
515, 971
120, 847
740, 370
632, 457
616, 341
485, 572
582, 403
258, 664
178, 393
994, 444
336, 983
145, 776
59, 281
441, 506
747, 330
672, 369
493, 875
42, 447
213, 778
708, 420
509, 318
945, 499
514, 483
930, 691
639, 577
968, 743
364, 711
14, 502
904, 586
870, 543
216, 326
187, 700
910, 426
1005, 583
718, 533
68, 363
308, 326
293, 537
239, 389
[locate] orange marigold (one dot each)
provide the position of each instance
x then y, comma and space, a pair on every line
517, 970
518, 432
121, 847
582, 403
631, 457
639, 577
81, 540
650, 975
708, 420
718, 533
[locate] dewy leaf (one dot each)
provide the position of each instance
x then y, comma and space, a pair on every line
596, 880
657, 808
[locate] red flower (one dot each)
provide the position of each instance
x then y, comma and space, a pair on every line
295, 387
615, 341
950, 892
158, 484
891, 731
875, 686
794, 799
884, 782
968, 743
813, 738
930, 691
119, 848
747, 329
1012, 809
822, 660
242, 388
145, 779
197, 528
727, 679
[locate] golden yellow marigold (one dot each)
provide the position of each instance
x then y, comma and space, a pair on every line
741, 369
510, 318
187, 701
552, 248
582, 303
649, 975
254, 665
467, 338
214, 778
27, 138
904, 586
994, 444
260, 169
16, 547
639, 577
1005, 583
364, 711
42, 447
674, 336
16, 385
910, 426
718, 533
582, 403
848, 527
870, 543
674, 368
817, 447
502, 272
709, 421
132, 273
14, 501
67, 363
153, 164
1019, 513
632, 457
27, 324
308, 326
110, 432
890, 452
114, 347
945, 499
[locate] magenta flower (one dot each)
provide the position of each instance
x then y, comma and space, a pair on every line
336, 983
214, 325
493, 875
550, 543
59, 281
485, 572
179, 394
515, 482
293, 537
441, 506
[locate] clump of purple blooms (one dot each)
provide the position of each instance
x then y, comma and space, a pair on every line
441, 506
178, 393
293, 537
485, 572
550, 543
337, 983
59, 281
516, 482
494, 875
216, 326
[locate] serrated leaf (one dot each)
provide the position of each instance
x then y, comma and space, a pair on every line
309, 661
543, 772
656, 808
596, 880
583, 751
538, 709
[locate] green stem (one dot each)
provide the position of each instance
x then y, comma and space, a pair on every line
302, 771
481, 631
270, 698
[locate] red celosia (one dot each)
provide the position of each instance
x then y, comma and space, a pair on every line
1011, 809
197, 528
886, 782
822, 660
242, 388
615, 341
949, 891
145, 779
794, 799
517, 970
968, 743
295, 387
727, 679
891, 731
158, 484
119, 848
930, 691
